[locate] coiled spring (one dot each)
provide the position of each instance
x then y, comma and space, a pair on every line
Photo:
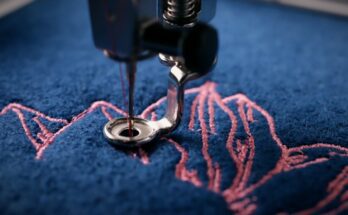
181, 12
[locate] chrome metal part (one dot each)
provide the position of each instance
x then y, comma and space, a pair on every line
181, 12
131, 70
128, 31
145, 131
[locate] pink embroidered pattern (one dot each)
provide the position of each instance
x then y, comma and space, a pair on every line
239, 195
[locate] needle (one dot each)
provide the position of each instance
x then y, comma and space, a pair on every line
131, 70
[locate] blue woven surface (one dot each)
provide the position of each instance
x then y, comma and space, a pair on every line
290, 62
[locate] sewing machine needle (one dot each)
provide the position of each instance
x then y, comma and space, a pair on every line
131, 70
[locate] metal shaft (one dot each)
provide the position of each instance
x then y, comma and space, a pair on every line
131, 70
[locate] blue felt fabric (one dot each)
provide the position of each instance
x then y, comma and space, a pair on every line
292, 63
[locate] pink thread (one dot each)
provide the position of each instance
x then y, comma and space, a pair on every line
249, 210
45, 135
193, 113
32, 111
296, 159
42, 126
251, 146
243, 207
211, 114
153, 116
344, 196
229, 193
267, 116
143, 157
318, 145
281, 162
181, 172
106, 113
250, 114
217, 179
42, 137
26, 128
304, 165
240, 205
341, 177
339, 183
204, 133
242, 154
342, 208
152, 107
242, 150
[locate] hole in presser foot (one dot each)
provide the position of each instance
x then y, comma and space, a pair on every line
129, 133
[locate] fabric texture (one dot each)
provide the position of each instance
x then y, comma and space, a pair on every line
266, 132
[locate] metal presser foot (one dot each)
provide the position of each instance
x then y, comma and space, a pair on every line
143, 130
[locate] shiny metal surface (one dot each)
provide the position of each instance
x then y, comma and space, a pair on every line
117, 24
147, 130
128, 31
181, 12
116, 132
131, 70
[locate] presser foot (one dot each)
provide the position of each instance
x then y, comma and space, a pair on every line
144, 131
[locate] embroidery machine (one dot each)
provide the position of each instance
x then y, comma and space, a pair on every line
176, 31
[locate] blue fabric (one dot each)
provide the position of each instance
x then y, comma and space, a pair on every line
290, 62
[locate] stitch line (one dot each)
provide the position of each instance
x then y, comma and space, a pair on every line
239, 194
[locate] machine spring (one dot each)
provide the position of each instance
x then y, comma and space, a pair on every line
181, 12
